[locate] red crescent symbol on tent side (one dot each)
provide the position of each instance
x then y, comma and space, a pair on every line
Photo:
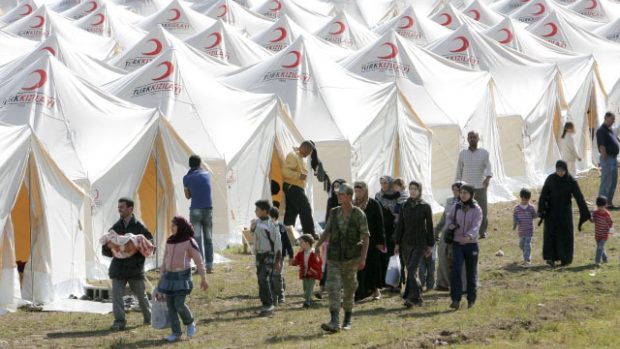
464, 46
448, 19
96, 194
393, 51
554, 30
297, 60
49, 49
282, 34
508, 36
177, 15
93, 6
476, 14
167, 73
409, 22
41, 22
594, 5
41, 82
101, 19
541, 8
278, 6
28, 10
341, 28
157, 50
218, 39
225, 9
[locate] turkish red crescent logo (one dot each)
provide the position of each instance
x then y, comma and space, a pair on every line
554, 30
218, 40
49, 49
393, 51
476, 14
156, 50
278, 5
224, 8
281, 36
101, 19
177, 15
448, 19
93, 6
297, 61
409, 23
593, 6
42, 80
340, 30
508, 36
541, 10
28, 10
464, 44
41, 22
167, 73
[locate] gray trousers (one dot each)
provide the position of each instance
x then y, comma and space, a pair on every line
278, 285
480, 195
177, 307
264, 271
412, 261
118, 306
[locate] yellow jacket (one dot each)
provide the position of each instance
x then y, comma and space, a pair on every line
294, 165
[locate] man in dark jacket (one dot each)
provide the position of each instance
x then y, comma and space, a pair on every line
129, 270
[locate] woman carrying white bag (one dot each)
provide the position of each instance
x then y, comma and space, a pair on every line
176, 276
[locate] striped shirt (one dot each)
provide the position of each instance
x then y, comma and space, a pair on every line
473, 167
523, 218
602, 224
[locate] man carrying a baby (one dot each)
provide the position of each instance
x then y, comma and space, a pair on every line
127, 270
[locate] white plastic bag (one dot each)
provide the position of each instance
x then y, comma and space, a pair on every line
392, 276
159, 314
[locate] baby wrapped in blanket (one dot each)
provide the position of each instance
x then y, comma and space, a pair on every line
125, 246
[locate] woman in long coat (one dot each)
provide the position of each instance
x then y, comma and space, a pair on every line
555, 208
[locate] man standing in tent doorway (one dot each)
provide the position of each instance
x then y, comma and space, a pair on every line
197, 184
295, 175
128, 270
608, 147
474, 168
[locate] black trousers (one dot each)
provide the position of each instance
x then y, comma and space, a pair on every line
297, 204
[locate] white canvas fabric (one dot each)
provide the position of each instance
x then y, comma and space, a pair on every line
413, 27
234, 14
600, 10
371, 13
481, 12
143, 7
21, 10
13, 47
536, 10
452, 18
343, 30
609, 31
225, 43
178, 18
82, 9
309, 14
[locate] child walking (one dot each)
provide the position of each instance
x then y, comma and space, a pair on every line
278, 284
523, 218
602, 226
310, 267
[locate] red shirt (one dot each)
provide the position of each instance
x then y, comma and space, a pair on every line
315, 266
602, 224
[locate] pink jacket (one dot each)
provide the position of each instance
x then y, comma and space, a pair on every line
177, 257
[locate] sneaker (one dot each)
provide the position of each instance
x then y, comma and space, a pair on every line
331, 328
267, 310
173, 337
410, 304
191, 330
117, 327
455, 305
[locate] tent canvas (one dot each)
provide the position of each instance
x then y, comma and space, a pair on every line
418, 29
234, 14
13, 47
22, 9
178, 18
343, 30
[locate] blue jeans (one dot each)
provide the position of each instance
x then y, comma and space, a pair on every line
467, 254
177, 307
600, 252
609, 178
525, 244
202, 221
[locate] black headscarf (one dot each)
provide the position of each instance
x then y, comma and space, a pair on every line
562, 165
471, 190
185, 231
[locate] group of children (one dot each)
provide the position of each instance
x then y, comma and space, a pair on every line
524, 215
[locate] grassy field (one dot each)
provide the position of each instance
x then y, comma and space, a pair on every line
572, 307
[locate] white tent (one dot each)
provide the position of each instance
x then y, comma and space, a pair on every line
481, 12
40, 224
600, 10
451, 17
322, 96
370, 13
536, 10
235, 15
23, 9
309, 14
143, 7
413, 27
82, 9
343, 30
13, 47
610, 31
223, 42
178, 18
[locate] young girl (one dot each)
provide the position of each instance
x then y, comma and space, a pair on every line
310, 267
176, 275
602, 226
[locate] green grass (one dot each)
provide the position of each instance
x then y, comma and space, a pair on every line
573, 307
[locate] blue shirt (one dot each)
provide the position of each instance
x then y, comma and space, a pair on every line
605, 137
198, 182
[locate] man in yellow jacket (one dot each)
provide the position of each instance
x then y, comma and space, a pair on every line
295, 175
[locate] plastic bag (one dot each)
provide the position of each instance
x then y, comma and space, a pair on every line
159, 315
392, 276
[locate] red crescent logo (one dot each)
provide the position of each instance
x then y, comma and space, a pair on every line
541, 8
281, 36
177, 15
476, 14
594, 5
41, 22
93, 6
409, 23
297, 60
508, 36
157, 50
393, 51
448, 19
49, 49
340, 30
554, 30
28, 10
464, 44
101, 19
167, 73
96, 194
224, 7
218, 40
278, 6
41, 82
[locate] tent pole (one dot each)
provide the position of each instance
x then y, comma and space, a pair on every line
30, 226
156, 239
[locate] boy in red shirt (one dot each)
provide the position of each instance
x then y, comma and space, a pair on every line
310, 267
602, 226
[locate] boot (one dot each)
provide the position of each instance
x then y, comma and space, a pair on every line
334, 325
346, 324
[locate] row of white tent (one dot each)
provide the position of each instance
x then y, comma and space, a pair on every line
99, 102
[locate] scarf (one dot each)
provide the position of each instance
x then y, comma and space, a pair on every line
362, 201
185, 231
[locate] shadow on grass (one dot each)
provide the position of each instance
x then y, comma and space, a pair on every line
245, 316
415, 314
577, 268
240, 297
146, 343
295, 338
518, 268
84, 334
237, 310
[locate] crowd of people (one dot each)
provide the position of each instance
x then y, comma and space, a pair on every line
350, 257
